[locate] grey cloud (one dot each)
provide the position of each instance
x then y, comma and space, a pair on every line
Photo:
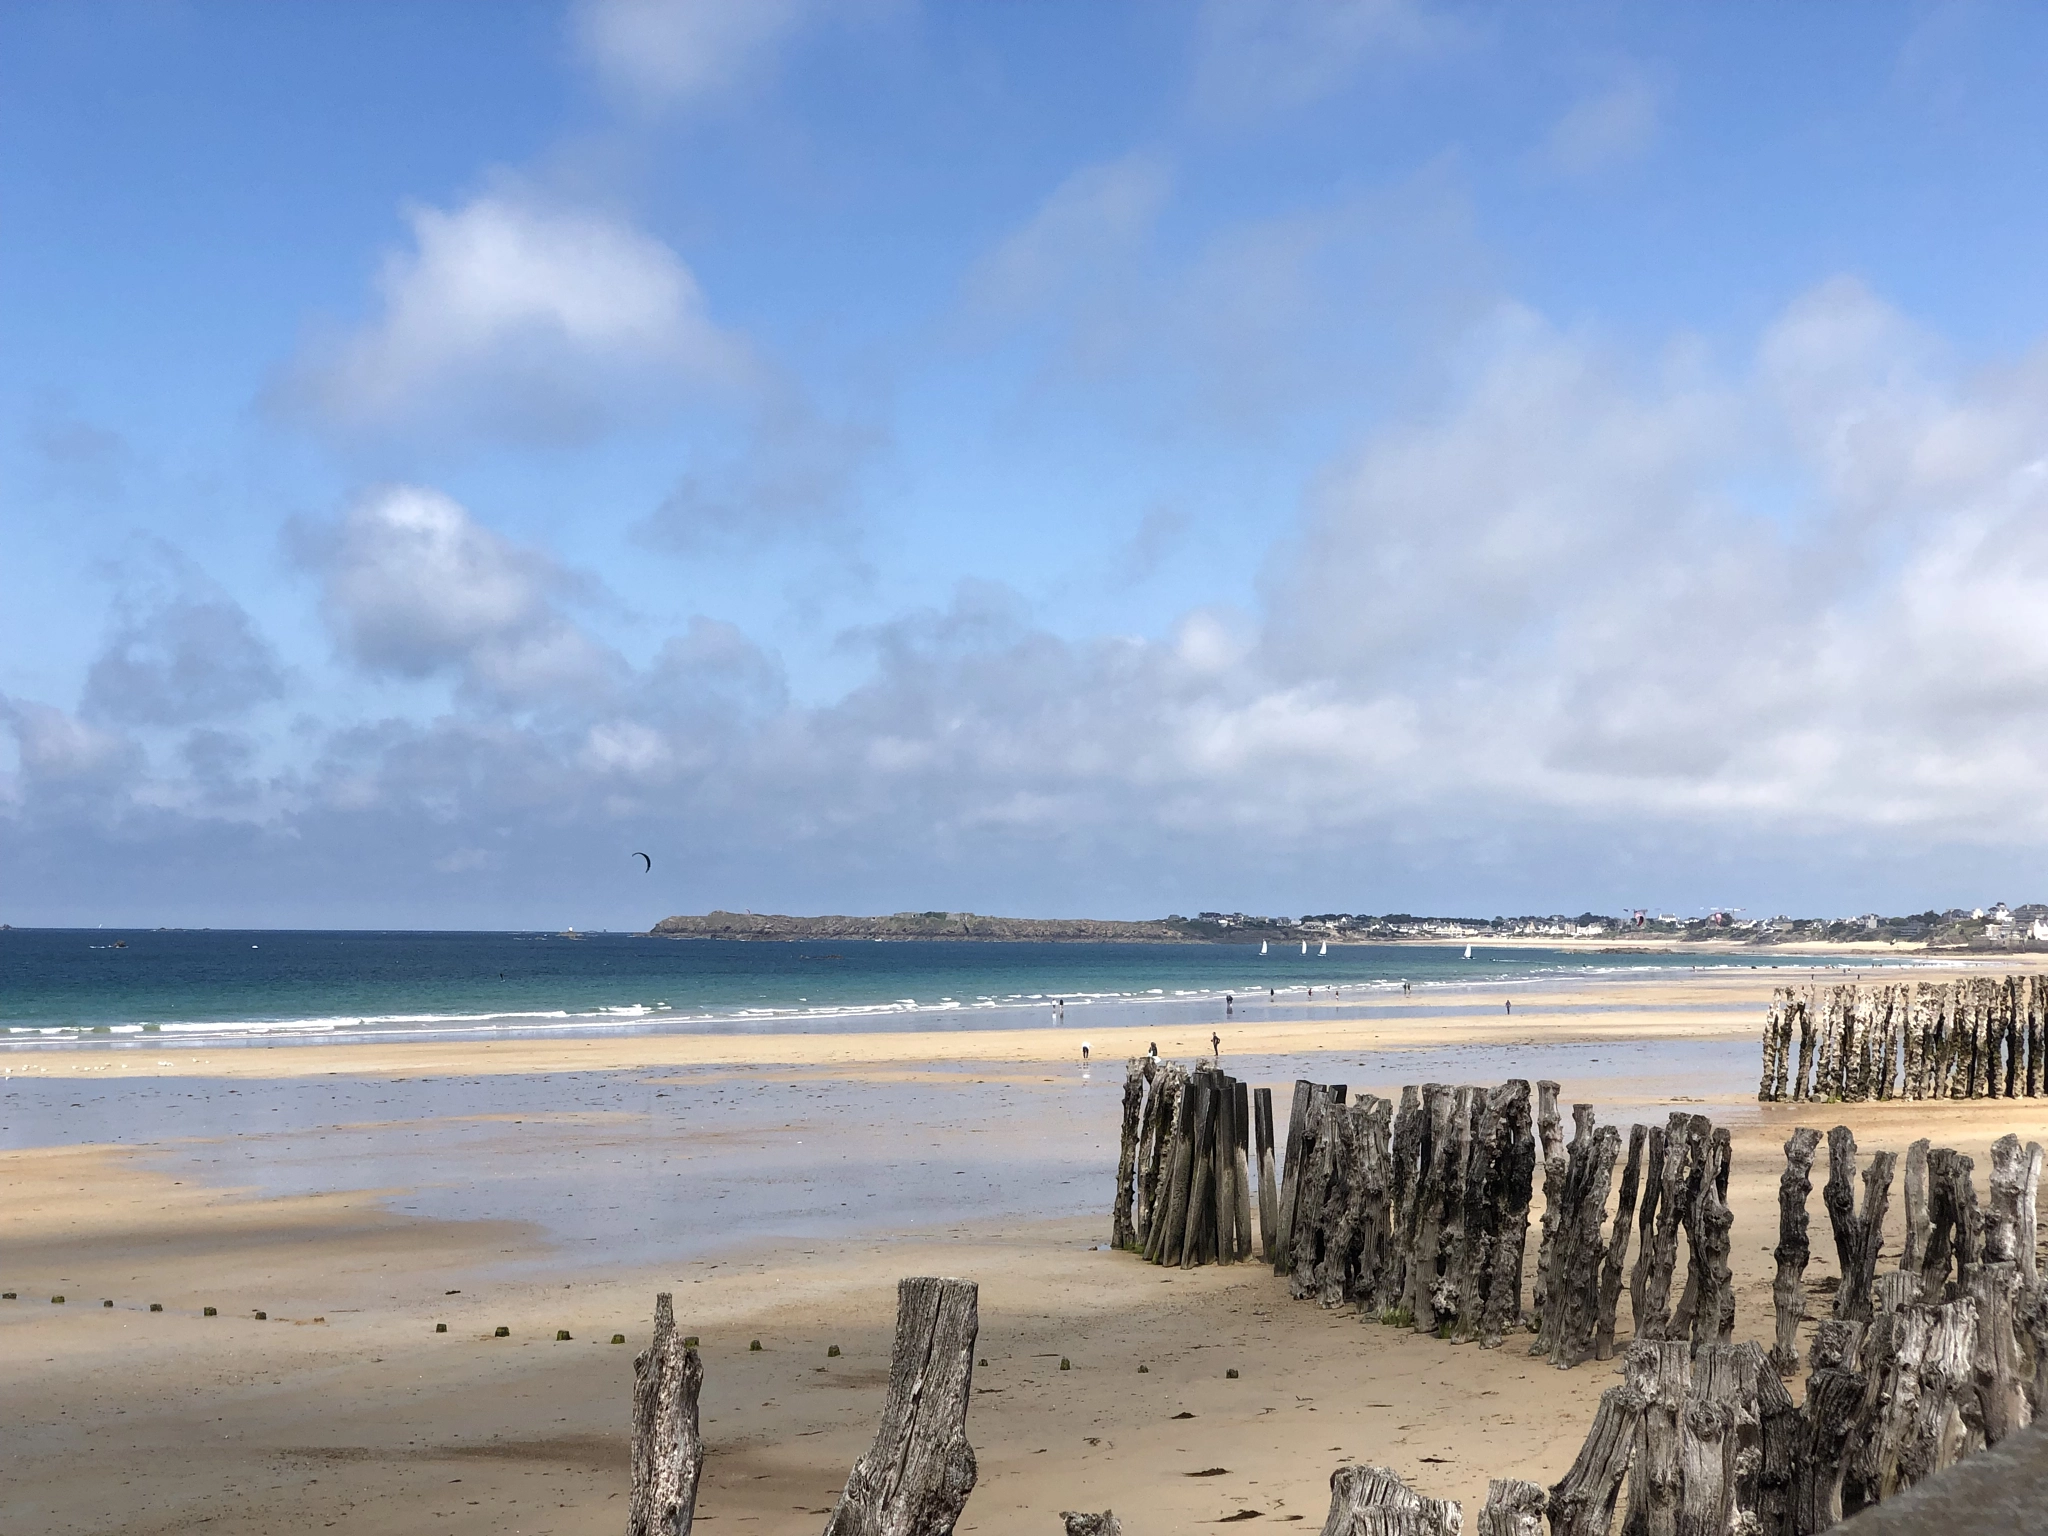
181, 660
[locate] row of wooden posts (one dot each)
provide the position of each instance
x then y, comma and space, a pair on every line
1983, 1037
1417, 1212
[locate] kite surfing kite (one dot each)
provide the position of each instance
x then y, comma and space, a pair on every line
645, 860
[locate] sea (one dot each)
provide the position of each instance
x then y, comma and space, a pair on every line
111, 989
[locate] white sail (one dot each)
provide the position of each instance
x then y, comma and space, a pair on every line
1304, 946
1324, 950
1468, 951
1262, 946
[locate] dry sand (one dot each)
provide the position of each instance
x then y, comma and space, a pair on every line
345, 1410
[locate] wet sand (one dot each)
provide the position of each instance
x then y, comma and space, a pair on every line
347, 1192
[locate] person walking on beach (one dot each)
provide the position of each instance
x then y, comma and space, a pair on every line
1216, 1045
1084, 1053
1228, 1001
1154, 1052
1510, 1002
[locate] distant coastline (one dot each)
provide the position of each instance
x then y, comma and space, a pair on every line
1587, 933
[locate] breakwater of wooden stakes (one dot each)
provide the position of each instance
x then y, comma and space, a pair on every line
1416, 1211
1982, 1037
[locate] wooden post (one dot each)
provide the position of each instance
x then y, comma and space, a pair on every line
1497, 1186
1223, 1148
1575, 1280
2001, 1381
1372, 1501
1202, 1181
1914, 1054
1947, 1424
1122, 1222
1955, 1226
1859, 1236
1297, 1122
1617, 1244
1332, 1277
1241, 1175
1915, 1254
1410, 1127
1661, 1253
1439, 1103
1717, 1438
1802, 1083
1582, 1501
1269, 1194
1780, 1431
1788, 1290
1658, 1374
915, 1479
1834, 1392
1646, 1228
2029, 1235
668, 1451
2032, 1001
1439, 1303
1312, 1196
1774, 1047
1556, 1167
1713, 1313
1371, 1170
1178, 1180
1512, 1508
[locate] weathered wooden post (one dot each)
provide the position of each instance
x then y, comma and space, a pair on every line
1573, 1284
1658, 1374
915, 1479
1410, 1127
1788, 1290
1497, 1187
1646, 1227
1582, 1501
1859, 1236
1512, 1508
1200, 1232
1780, 1430
1269, 1194
668, 1451
1712, 1285
1802, 1083
1834, 1392
1439, 1102
1769, 1087
1661, 1256
1915, 1253
1617, 1244
1372, 1501
1290, 1178
1241, 1178
1556, 1167
1223, 1154
1165, 1244
1122, 1220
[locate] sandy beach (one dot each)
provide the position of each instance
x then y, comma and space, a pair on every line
779, 1185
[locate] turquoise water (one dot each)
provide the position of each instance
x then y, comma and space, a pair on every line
100, 986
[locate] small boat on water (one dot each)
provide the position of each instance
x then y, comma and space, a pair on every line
1262, 946
1304, 946
1324, 950
1468, 951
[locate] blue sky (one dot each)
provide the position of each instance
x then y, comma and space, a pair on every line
1360, 455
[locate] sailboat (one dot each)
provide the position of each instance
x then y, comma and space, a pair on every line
1324, 950
1262, 946
1304, 946
1468, 951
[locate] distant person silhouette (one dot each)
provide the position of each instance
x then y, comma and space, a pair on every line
1216, 1044
1084, 1053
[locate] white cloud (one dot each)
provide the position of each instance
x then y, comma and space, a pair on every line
664, 52
414, 586
1086, 229
1606, 128
1594, 613
510, 317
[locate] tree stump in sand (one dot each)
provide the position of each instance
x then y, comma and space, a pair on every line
1403, 1177
668, 1451
1372, 1501
1711, 1285
1497, 1187
1780, 1430
915, 1479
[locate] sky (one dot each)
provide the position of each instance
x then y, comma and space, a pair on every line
1039, 459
